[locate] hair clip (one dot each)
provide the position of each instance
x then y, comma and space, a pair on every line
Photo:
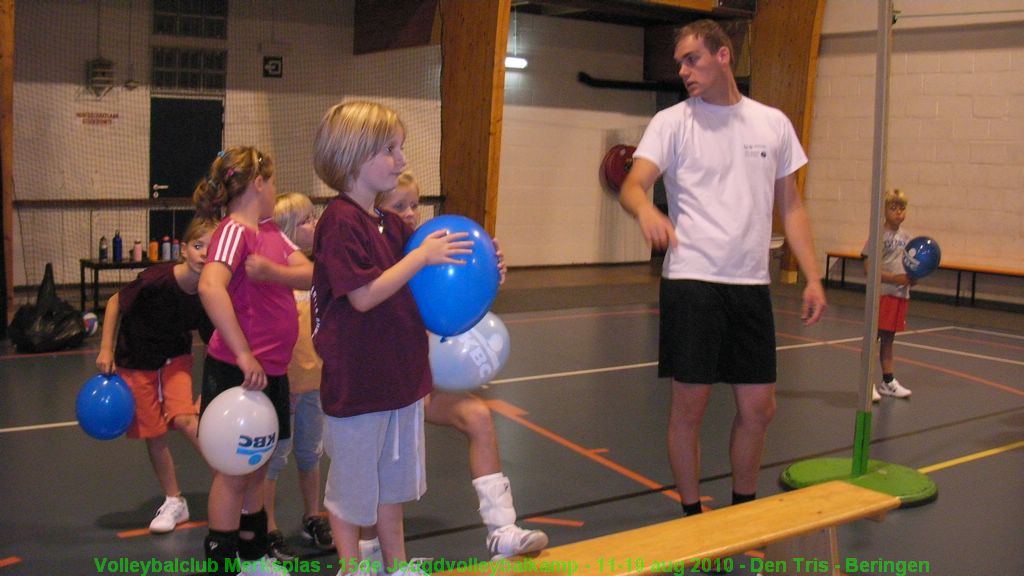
220, 154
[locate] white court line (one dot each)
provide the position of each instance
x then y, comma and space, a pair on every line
637, 366
573, 373
649, 364
856, 339
39, 427
959, 353
991, 333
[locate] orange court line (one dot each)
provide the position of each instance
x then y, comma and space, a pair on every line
9, 561
554, 521
146, 532
515, 413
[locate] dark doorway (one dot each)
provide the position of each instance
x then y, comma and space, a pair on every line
185, 136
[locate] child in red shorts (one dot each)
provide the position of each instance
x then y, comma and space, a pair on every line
151, 320
895, 289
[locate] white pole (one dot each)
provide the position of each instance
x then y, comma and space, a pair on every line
869, 355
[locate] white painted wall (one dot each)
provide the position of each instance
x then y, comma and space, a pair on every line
956, 132
56, 156
956, 146
552, 207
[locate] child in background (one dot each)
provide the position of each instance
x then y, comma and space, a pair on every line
895, 292
470, 415
293, 214
368, 331
256, 329
152, 319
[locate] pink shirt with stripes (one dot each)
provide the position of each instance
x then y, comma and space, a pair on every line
266, 311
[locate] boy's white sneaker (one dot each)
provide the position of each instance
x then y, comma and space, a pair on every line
172, 512
512, 540
893, 389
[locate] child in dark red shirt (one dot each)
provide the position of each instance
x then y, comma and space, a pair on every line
368, 331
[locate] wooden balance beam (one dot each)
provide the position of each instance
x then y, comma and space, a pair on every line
796, 527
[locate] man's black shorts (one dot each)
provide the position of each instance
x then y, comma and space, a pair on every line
716, 333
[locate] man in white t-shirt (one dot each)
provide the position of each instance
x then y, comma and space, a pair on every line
726, 161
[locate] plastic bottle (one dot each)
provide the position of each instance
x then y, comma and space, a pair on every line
103, 249
165, 248
118, 247
175, 249
137, 251
154, 250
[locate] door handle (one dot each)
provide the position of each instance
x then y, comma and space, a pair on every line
157, 188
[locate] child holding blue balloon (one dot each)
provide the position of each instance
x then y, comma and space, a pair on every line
147, 340
256, 329
369, 333
470, 415
895, 292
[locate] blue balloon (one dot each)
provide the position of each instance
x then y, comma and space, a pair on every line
921, 257
452, 298
105, 406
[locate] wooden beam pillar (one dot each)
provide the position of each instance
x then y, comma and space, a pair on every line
474, 36
7, 156
785, 39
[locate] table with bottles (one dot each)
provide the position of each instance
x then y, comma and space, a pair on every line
96, 266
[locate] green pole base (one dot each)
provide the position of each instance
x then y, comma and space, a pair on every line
912, 487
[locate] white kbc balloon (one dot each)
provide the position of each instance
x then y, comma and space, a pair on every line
238, 431
471, 359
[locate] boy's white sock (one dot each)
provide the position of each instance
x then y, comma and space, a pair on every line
369, 548
496, 508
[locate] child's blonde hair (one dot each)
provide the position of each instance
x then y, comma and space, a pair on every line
405, 180
290, 210
229, 176
897, 196
199, 226
349, 135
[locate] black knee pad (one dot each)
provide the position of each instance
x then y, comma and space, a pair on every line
222, 549
257, 524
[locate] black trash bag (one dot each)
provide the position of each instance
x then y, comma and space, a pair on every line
50, 325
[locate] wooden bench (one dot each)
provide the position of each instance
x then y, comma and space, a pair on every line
796, 527
972, 269
842, 257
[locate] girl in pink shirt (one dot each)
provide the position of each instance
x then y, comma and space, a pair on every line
256, 328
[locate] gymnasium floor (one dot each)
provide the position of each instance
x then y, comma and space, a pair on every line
581, 419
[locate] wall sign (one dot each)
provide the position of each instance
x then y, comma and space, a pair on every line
273, 66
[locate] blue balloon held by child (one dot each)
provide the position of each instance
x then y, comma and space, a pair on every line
921, 257
105, 406
452, 298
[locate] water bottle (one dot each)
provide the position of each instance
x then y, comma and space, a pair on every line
165, 248
175, 249
103, 248
118, 247
154, 250
137, 251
